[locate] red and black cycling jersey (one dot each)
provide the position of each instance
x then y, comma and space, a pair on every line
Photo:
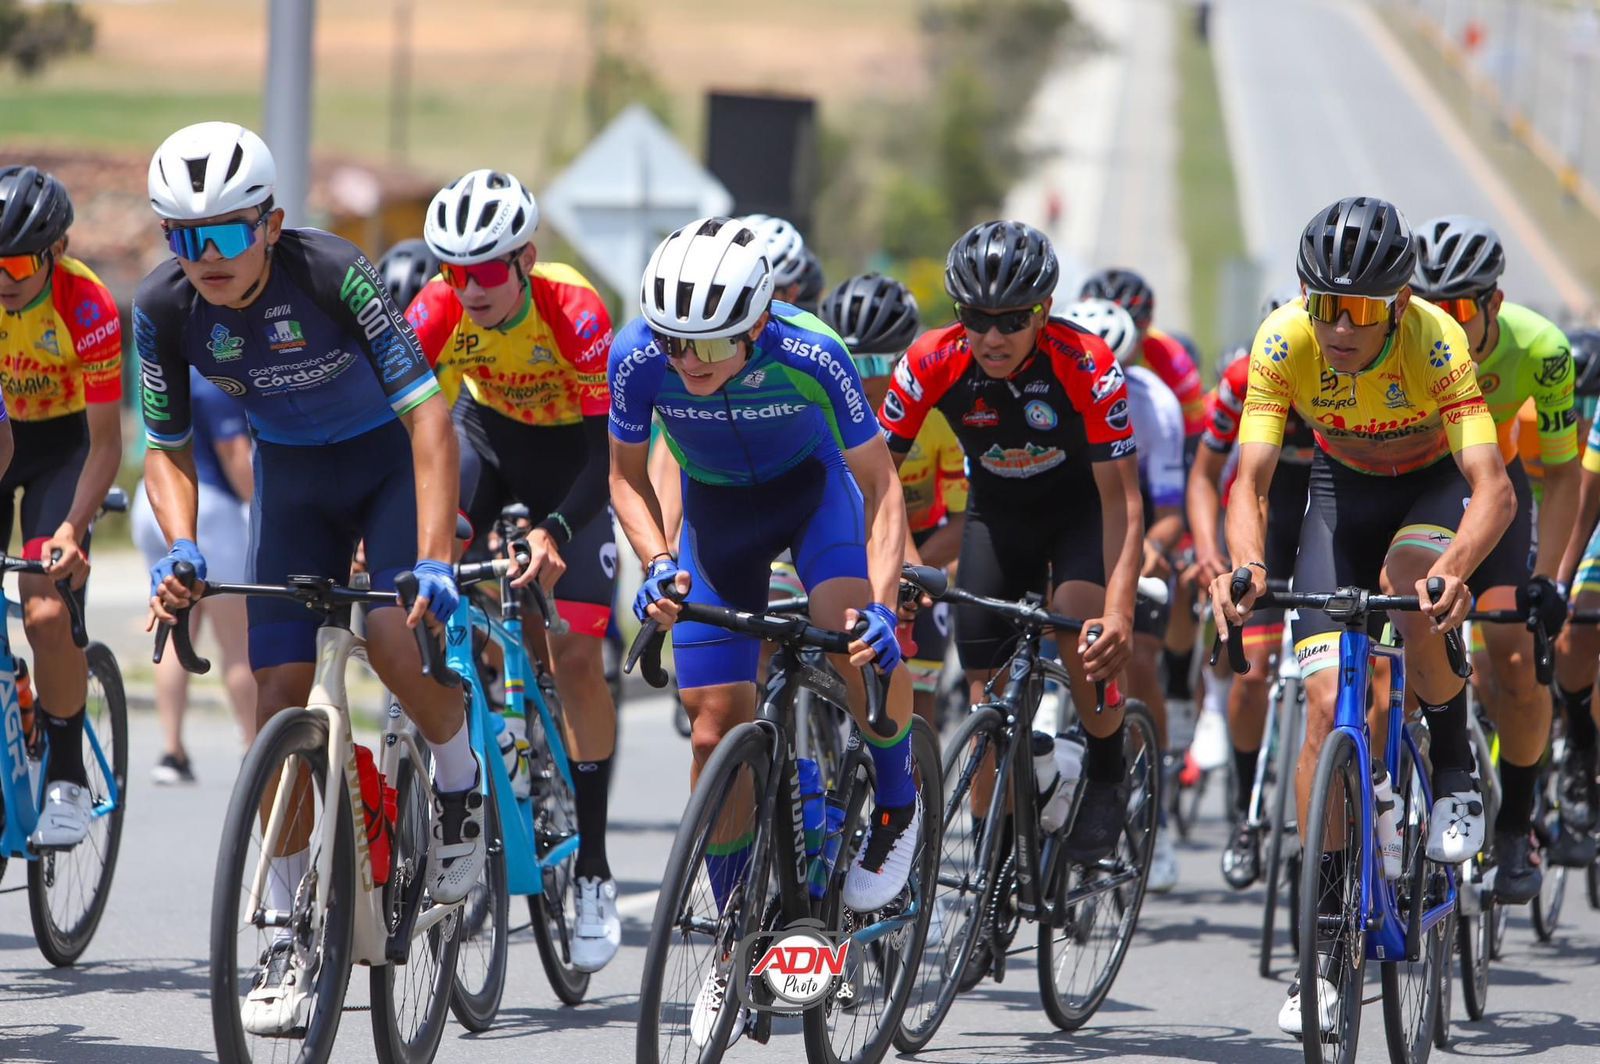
1226, 410
1028, 436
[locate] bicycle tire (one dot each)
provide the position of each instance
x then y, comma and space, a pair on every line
968, 864
54, 871
1591, 877
1337, 764
553, 911
1142, 765
746, 747
1501, 921
1408, 1017
489, 907
1285, 715
1474, 935
897, 968
1447, 980
396, 1039
291, 732
1545, 907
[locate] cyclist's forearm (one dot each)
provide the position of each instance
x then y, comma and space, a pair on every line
1122, 531
634, 500
886, 539
173, 488
1583, 526
1203, 502
1557, 512
436, 463
666, 481
1489, 512
99, 469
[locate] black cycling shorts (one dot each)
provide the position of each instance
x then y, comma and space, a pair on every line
1007, 554
1286, 511
1511, 562
49, 457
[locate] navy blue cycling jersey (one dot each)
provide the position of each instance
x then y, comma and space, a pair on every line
322, 355
217, 419
799, 391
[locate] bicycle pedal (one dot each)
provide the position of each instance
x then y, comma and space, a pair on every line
758, 1027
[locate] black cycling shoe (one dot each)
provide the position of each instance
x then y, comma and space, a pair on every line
1572, 848
1241, 858
1101, 812
1517, 877
1578, 797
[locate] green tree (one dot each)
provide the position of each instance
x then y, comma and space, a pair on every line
32, 36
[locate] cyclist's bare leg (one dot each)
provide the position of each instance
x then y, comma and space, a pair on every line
1578, 649
713, 712
60, 671
1322, 688
277, 688
1516, 702
591, 717
437, 711
1079, 598
1144, 680
225, 616
1247, 699
829, 601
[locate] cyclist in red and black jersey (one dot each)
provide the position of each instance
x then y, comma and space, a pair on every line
1041, 409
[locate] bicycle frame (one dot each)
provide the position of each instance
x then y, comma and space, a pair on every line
22, 780
1385, 926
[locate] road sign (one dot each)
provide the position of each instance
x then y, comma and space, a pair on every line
627, 190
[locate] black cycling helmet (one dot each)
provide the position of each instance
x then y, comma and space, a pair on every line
1359, 246
1585, 361
810, 283
1457, 257
1125, 288
1001, 265
405, 268
873, 314
35, 211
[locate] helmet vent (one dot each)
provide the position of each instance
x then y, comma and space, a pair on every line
236, 161
197, 174
714, 298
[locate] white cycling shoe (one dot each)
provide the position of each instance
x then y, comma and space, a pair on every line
1456, 825
883, 864
278, 1005
1163, 875
1291, 1022
456, 853
597, 932
1211, 748
708, 1008
64, 821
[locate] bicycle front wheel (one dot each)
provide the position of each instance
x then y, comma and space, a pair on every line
1286, 719
554, 910
480, 976
714, 893
409, 1000
1096, 907
291, 753
67, 889
1333, 946
1411, 988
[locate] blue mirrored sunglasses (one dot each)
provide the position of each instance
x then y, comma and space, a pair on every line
231, 239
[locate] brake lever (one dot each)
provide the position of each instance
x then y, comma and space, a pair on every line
80, 632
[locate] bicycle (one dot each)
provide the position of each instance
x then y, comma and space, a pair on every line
303, 778
1403, 923
532, 838
999, 866
67, 889
748, 801
1273, 813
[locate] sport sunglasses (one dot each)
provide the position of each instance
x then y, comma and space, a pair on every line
491, 274
1363, 310
1007, 321
22, 267
706, 349
231, 239
1462, 310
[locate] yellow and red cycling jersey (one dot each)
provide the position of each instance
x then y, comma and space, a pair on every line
546, 366
63, 351
934, 475
1418, 402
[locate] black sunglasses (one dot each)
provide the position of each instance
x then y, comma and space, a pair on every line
1007, 321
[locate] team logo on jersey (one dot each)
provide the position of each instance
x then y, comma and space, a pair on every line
981, 416
754, 378
1123, 448
229, 386
1554, 370
586, 325
1395, 397
1439, 357
1016, 463
1036, 388
541, 355
286, 335
1117, 416
47, 344
87, 314
1489, 383
893, 409
1276, 347
908, 384
1039, 414
1108, 383
223, 345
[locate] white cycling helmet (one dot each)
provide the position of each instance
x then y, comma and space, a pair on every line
786, 249
209, 169
483, 215
709, 279
1108, 321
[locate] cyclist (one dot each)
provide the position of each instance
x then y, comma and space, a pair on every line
1286, 506
877, 318
786, 254
353, 442
406, 267
1387, 383
1158, 426
61, 372
1041, 409
1519, 356
764, 411
519, 347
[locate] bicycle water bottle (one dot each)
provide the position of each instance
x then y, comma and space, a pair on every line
822, 866
1388, 822
1045, 773
812, 815
32, 734
1067, 755
513, 742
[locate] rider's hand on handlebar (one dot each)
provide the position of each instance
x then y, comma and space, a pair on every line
1155, 563
878, 643
1105, 658
652, 602
544, 562
1210, 565
1224, 610
65, 559
437, 594
1452, 605
166, 592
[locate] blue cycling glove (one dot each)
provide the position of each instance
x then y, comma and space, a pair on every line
183, 550
657, 579
436, 582
880, 636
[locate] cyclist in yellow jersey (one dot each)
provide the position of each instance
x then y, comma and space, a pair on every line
520, 349
877, 318
1521, 358
1386, 382
61, 365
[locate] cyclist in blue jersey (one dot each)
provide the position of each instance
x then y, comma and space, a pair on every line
354, 444
766, 414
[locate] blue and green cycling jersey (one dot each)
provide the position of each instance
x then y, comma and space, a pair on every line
798, 392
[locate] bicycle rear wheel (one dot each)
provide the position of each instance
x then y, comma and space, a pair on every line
553, 912
1545, 907
1475, 937
68, 889
966, 871
1285, 726
688, 1001
480, 975
1333, 946
409, 1000
1411, 988
291, 750
1097, 906
882, 973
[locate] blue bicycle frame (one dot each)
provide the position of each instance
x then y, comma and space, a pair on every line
22, 780
525, 867
1385, 924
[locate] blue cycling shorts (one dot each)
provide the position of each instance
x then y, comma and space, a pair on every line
312, 506
733, 533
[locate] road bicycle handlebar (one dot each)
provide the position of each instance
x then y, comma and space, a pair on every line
35, 567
